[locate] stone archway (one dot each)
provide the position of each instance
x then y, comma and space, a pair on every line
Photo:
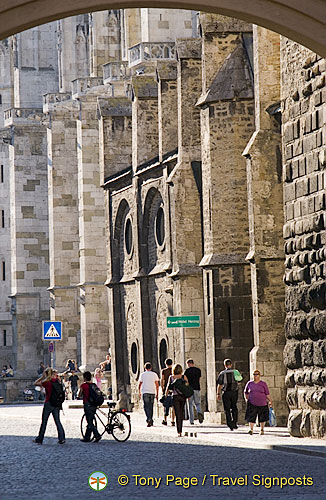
301, 21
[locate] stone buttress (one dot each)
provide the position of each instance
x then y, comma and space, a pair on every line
227, 122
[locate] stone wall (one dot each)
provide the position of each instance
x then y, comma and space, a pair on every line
92, 240
5, 264
63, 224
29, 241
73, 50
304, 139
35, 62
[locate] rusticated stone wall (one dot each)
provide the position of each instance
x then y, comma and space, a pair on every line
304, 139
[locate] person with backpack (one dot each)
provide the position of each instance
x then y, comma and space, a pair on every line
227, 385
54, 397
92, 399
181, 390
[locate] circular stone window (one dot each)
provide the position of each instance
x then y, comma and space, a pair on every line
128, 236
159, 227
134, 358
163, 353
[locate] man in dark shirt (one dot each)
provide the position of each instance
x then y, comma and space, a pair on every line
228, 387
193, 375
73, 379
89, 409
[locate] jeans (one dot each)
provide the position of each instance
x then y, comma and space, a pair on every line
148, 400
74, 390
90, 417
179, 405
230, 399
194, 401
47, 410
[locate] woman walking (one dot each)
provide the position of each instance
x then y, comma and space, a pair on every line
178, 399
51, 383
257, 396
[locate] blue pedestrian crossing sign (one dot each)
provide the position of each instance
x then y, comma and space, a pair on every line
52, 330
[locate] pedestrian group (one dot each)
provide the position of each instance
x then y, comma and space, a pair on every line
180, 396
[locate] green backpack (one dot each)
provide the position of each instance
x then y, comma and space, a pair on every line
180, 386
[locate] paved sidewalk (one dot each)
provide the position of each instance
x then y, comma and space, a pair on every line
154, 463
275, 438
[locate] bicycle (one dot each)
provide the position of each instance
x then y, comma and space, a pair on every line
118, 423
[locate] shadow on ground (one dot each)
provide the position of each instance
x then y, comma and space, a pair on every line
51, 471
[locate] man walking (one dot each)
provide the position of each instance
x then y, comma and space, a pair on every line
148, 389
89, 409
73, 379
165, 375
193, 375
227, 385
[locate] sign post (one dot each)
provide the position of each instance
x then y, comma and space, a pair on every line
52, 330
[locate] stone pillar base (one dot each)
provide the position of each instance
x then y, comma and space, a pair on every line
307, 423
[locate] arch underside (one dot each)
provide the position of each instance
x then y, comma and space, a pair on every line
302, 21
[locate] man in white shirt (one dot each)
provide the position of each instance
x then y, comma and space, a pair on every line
148, 388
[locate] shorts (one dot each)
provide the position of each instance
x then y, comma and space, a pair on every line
252, 411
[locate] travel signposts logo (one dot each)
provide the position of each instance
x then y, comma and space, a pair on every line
98, 481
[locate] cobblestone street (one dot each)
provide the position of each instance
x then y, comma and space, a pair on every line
53, 472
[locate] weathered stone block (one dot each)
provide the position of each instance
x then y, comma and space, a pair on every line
296, 327
307, 353
319, 325
319, 353
305, 429
313, 184
316, 295
292, 398
289, 192
289, 379
317, 376
299, 377
318, 222
294, 423
289, 211
292, 355
303, 298
318, 423
301, 187
317, 399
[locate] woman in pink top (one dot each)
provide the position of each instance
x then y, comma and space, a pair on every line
98, 377
257, 396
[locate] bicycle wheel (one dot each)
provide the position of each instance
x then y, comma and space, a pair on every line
120, 426
98, 424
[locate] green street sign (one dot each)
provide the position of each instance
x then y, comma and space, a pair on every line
183, 321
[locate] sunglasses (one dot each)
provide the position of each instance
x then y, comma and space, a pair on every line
256, 374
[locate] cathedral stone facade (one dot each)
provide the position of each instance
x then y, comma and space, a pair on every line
174, 168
